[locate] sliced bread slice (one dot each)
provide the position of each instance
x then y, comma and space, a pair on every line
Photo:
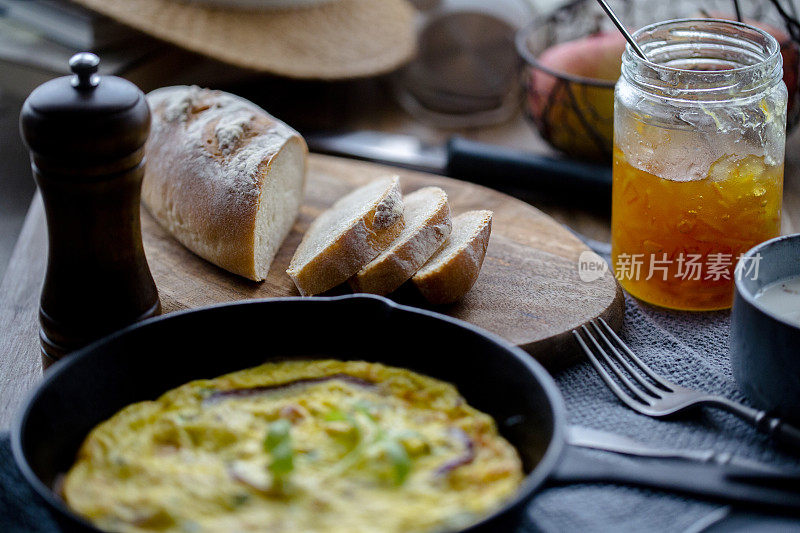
347, 236
427, 225
453, 270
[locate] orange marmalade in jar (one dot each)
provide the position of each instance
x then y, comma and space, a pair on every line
699, 135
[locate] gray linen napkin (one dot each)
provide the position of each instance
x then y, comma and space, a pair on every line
690, 349
20, 510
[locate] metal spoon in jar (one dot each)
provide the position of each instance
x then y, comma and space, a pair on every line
622, 29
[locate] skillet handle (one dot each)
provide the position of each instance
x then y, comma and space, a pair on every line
708, 481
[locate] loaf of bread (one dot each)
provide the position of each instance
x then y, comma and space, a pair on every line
427, 225
347, 236
223, 176
454, 269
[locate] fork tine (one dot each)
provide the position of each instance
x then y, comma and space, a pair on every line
606, 377
669, 387
637, 392
634, 400
652, 390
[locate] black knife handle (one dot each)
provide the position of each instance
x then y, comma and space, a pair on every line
709, 481
495, 166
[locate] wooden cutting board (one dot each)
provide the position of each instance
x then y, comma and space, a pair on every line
529, 290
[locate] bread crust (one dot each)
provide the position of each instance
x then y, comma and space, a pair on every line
445, 280
389, 270
209, 155
353, 247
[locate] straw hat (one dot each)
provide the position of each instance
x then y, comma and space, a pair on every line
332, 40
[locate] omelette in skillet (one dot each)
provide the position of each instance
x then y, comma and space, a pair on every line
296, 446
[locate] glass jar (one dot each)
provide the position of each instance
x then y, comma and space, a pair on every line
699, 135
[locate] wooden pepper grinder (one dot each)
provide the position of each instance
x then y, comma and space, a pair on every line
86, 136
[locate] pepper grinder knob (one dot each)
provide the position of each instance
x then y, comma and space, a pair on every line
84, 67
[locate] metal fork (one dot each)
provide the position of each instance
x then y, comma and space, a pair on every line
652, 395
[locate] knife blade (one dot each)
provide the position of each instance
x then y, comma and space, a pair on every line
486, 164
596, 439
703, 473
403, 151
764, 491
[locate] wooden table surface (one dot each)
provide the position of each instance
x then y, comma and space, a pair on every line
20, 366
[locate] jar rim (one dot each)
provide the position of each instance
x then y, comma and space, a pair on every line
749, 58
772, 42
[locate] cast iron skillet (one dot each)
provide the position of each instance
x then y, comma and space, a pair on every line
147, 359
